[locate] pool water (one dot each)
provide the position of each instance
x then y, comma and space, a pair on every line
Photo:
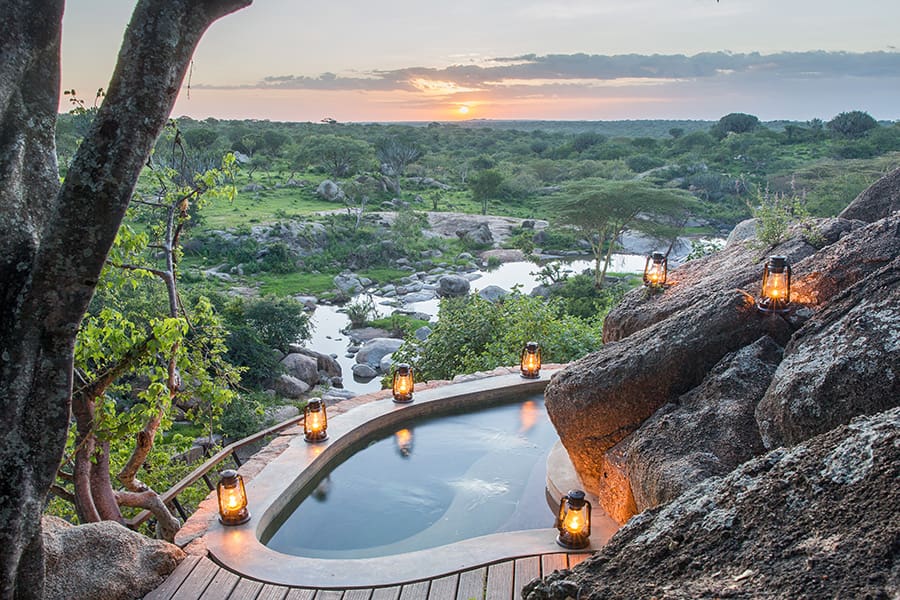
435, 482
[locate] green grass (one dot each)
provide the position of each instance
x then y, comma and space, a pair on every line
320, 284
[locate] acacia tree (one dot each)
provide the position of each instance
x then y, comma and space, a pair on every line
54, 238
603, 209
395, 155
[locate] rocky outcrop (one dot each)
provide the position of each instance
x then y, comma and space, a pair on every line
493, 293
103, 561
845, 361
818, 520
877, 201
708, 431
598, 400
841, 360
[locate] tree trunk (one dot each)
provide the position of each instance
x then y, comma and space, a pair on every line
53, 242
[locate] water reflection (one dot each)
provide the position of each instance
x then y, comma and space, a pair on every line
528, 416
404, 439
322, 490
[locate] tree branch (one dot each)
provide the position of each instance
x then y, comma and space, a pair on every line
150, 500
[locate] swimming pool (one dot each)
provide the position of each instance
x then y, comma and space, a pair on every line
296, 471
432, 482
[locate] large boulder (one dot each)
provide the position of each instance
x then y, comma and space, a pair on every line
348, 284
324, 362
452, 286
876, 202
103, 561
480, 235
708, 431
698, 282
598, 400
818, 520
745, 230
288, 386
303, 367
493, 293
374, 350
329, 190
845, 361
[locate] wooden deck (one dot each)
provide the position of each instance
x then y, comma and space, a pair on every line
199, 578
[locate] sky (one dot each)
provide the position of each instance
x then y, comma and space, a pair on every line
415, 60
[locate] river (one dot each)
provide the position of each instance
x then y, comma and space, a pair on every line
328, 321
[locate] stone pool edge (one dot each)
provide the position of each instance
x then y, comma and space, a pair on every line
239, 549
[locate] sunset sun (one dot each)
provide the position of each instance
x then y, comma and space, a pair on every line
463, 110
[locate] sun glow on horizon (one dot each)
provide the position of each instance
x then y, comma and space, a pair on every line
463, 110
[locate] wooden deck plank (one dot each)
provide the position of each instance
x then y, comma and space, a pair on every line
328, 595
390, 593
174, 580
298, 594
553, 562
574, 559
221, 585
443, 588
471, 584
415, 591
500, 581
357, 595
526, 569
272, 592
246, 589
196, 582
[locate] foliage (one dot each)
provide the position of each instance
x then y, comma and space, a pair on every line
735, 123
579, 297
485, 185
704, 247
279, 322
601, 210
337, 155
278, 258
776, 213
852, 124
360, 311
242, 417
473, 334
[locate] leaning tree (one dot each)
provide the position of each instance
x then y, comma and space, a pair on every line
54, 237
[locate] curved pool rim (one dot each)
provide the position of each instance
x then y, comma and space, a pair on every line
239, 549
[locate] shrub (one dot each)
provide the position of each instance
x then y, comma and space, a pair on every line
242, 417
360, 311
278, 258
473, 334
852, 124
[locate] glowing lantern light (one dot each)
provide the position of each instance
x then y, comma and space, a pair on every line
531, 361
655, 270
403, 384
404, 439
776, 286
574, 521
232, 498
315, 421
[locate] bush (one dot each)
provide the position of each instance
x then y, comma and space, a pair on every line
579, 297
852, 124
360, 311
278, 258
242, 417
643, 162
473, 334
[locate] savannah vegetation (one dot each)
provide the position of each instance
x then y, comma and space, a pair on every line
149, 331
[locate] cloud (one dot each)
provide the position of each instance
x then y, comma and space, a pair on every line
593, 70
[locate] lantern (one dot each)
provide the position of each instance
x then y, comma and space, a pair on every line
655, 269
403, 384
315, 421
232, 498
574, 521
530, 364
776, 286
404, 439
